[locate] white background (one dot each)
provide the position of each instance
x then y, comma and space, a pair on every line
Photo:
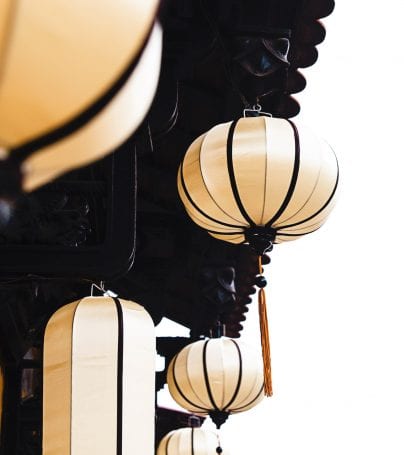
336, 296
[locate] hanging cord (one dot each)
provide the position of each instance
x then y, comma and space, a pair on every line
219, 449
227, 63
266, 349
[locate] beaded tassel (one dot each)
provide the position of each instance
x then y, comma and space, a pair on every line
266, 349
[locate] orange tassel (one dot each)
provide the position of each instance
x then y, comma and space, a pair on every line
266, 350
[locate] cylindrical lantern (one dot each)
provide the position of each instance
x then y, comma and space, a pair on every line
218, 376
190, 441
99, 379
76, 80
258, 178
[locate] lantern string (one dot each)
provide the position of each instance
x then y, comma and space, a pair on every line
264, 329
219, 449
227, 61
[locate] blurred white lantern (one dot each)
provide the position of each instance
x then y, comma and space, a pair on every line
77, 78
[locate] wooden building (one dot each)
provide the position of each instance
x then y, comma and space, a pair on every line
120, 221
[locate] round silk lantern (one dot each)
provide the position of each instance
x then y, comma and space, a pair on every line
218, 376
99, 376
258, 180
190, 441
77, 78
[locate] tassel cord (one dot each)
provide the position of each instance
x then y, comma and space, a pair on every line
266, 349
264, 329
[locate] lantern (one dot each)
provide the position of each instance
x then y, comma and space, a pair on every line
99, 370
190, 441
218, 376
258, 180
77, 79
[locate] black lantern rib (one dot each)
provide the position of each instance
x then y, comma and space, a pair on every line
21, 152
207, 186
168, 441
240, 376
206, 377
293, 180
297, 235
321, 209
250, 402
119, 392
265, 180
184, 187
181, 392
218, 415
232, 177
227, 233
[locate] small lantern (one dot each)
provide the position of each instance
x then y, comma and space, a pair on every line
190, 441
77, 78
258, 180
99, 370
218, 376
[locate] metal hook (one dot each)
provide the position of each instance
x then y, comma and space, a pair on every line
100, 287
255, 111
94, 286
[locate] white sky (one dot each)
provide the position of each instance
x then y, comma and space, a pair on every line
336, 306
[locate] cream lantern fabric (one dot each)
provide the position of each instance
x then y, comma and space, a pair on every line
77, 78
189, 441
258, 174
99, 386
216, 376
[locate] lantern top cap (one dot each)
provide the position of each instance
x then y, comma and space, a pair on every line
194, 421
255, 111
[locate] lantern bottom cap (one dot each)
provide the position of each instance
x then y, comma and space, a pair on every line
218, 417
